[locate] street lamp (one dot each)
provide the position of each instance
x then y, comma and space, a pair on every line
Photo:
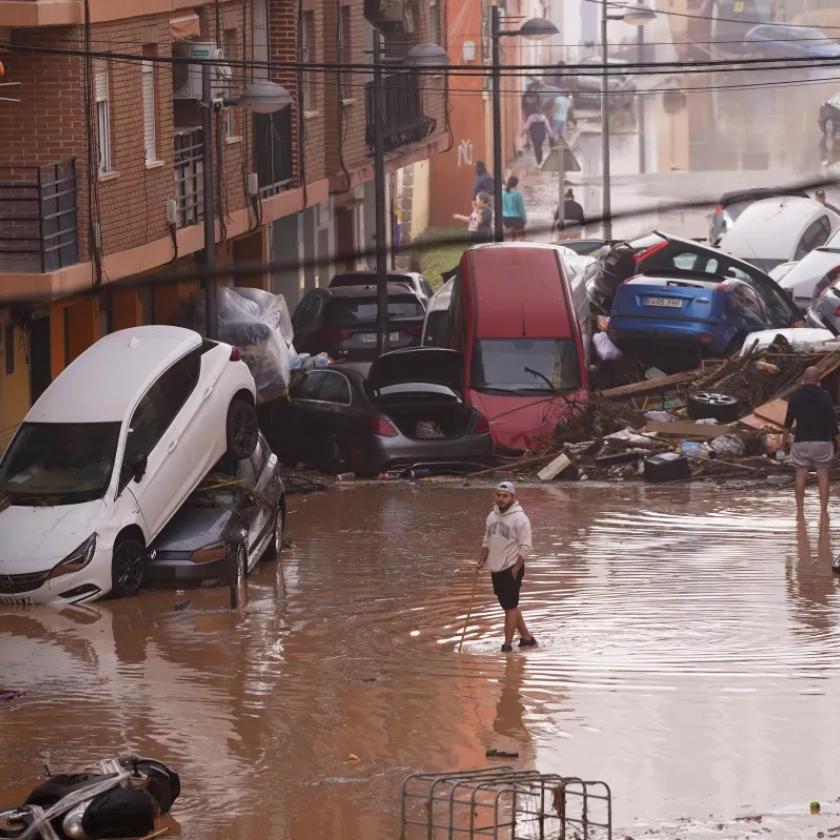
419, 56
261, 97
636, 13
534, 29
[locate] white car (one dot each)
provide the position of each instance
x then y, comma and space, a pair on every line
812, 274
108, 454
436, 322
778, 230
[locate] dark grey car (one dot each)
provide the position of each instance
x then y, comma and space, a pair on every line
824, 311
233, 520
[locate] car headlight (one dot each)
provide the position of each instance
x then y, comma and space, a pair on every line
209, 553
76, 560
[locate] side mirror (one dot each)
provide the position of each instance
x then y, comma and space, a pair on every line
138, 467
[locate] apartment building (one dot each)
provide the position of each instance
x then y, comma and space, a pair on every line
101, 161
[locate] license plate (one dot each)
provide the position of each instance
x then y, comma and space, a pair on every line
671, 303
15, 601
370, 338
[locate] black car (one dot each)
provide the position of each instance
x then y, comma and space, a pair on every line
830, 122
235, 518
342, 322
406, 410
660, 253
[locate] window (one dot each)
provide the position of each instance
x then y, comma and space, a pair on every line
307, 49
816, 234
525, 365
324, 386
231, 53
103, 115
307, 311
434, 22
345, 45
149, 105
364, 310
158, 408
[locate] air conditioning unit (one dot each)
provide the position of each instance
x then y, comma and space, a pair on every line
186, 78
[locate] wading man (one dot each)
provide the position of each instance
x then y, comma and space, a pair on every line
810, 415
504, 550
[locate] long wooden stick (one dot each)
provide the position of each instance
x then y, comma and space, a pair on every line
469, 611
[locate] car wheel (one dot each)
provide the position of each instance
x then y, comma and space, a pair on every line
276, 544
127, 567
242, 429
830, 140
712, 405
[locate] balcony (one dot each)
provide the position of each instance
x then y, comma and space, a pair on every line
273, 151
38, 218
189, 172
403, 121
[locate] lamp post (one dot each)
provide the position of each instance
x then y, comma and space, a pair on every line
534, 29
637, 13
419, 56
261, 97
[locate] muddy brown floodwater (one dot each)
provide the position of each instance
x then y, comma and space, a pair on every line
689, 655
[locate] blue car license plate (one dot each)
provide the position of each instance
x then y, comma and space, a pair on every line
670, 303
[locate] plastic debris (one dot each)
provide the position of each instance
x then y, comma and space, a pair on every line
728, 445
605, 349
693, 449
353, 757
660, 416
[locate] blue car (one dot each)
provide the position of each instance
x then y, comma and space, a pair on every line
711, 316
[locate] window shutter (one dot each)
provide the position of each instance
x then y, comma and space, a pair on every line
149, 127
101, 80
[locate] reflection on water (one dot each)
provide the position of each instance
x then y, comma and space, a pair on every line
689, 652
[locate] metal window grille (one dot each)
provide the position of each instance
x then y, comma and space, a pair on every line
403, 120
504, 804
273, 151
189, 169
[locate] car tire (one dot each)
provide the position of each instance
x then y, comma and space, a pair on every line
275, 546
242, 429
830, 140
704, 405
127, 567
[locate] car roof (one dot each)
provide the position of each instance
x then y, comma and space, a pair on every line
757, 193
105, 382
684, 279
772, 227
369, 277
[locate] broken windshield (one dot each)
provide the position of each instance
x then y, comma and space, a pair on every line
59, 463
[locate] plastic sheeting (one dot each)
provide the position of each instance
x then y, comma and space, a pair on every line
259, 325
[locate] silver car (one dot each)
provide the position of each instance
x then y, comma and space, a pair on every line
824, 311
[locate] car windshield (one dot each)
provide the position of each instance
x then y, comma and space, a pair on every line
363, 310
532, 365
59, 463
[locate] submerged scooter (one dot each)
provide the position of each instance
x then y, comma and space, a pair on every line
119, 797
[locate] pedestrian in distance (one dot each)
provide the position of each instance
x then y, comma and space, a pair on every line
537, 127
514, 217
560, 107
504, 550
571, 225
484, 182
480, 221
810, 416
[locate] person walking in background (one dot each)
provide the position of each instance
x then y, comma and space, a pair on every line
570, 224
504, 550
480, 221
560, 115
514, 217
537, 127
810, 415
484, 182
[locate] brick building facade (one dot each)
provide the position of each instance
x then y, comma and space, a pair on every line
100, 191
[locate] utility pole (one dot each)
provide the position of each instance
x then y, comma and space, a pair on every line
379, 195
495, 37
606, 203
210, 302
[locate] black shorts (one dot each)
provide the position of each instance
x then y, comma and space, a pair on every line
507, 587
513, 223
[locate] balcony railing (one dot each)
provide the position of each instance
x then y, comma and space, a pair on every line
273, 151
403, 120
189, 172
38, 218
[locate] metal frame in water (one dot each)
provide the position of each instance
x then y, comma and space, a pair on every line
504, 803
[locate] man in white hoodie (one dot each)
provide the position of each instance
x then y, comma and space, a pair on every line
504, 550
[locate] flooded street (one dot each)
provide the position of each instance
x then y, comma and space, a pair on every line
689, 656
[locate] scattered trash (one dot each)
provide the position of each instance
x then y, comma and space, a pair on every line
353, 757
605, 349
668, 466
693, 449
660, 416
6, 695
555, 468
728, 445
346, 476
494, 753
766, 367
797, 339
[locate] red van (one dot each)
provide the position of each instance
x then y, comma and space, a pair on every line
513, 318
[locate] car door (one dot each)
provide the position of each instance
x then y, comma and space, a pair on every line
263, 462
154, 434
306, 319
779, 309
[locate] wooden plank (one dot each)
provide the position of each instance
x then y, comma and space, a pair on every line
554, 469
687, 429
775, 411
650, 386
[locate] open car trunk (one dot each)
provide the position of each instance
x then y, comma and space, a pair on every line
426, 412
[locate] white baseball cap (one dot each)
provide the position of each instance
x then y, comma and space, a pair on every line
506, 487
